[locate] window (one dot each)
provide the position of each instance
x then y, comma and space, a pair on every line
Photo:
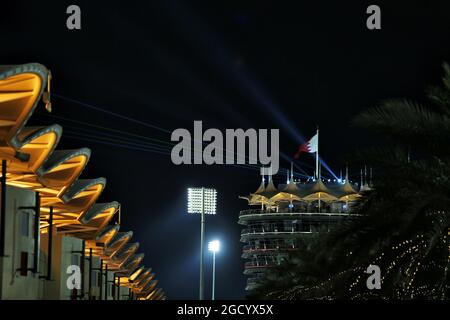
94, 278
25, 224
24, 263
33, 226
75, 260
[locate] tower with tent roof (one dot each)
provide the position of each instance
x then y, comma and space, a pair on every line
283, 214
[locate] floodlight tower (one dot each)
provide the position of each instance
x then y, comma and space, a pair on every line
214, 246
202, 201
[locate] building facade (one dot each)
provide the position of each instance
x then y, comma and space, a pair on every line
56, 241
282, 215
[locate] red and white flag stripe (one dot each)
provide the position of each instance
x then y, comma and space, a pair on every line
310, 147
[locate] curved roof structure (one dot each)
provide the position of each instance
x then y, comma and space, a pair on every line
130, 264
290, 193
270, 190
346, 192
141, 280
36, 144
63, 167
137, 280
20, 90
124, 253
151, 285
256, 198
306, 192
156, 294
159, 295
116, 243
135, 274
93, 222
317, 190
100, 214
129, 281
33, 163
102, 239
107, 234
74, 203
261, 188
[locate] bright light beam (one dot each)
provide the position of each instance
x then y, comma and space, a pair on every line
220, 57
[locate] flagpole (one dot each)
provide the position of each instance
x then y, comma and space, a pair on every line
317, 163
292, 171
317, 156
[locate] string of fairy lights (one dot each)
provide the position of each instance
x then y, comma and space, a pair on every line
416, 249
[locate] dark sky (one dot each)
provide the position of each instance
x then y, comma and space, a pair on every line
231, 64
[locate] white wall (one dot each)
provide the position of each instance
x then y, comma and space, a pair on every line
65, 251
95, 280
19, 237
110, 278
124, 292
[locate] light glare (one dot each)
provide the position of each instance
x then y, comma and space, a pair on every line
195, 197
214, 246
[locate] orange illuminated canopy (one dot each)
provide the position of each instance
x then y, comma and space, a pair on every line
32, 162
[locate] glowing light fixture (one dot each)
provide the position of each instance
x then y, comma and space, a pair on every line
203, 201
214, 246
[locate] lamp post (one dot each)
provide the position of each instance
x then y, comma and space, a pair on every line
202, 201
214, 246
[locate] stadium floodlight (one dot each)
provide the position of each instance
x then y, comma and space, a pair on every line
214, 246
202, 201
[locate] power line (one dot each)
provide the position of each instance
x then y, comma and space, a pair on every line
135, 144
125, 117
135, 147
87, 105
104, 128
115, 137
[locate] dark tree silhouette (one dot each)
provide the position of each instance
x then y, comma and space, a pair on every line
404, 221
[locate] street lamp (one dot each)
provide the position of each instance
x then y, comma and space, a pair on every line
214, 246
203, 201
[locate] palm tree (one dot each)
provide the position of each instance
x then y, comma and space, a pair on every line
405, 219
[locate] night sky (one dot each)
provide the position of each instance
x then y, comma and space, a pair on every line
160, 65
